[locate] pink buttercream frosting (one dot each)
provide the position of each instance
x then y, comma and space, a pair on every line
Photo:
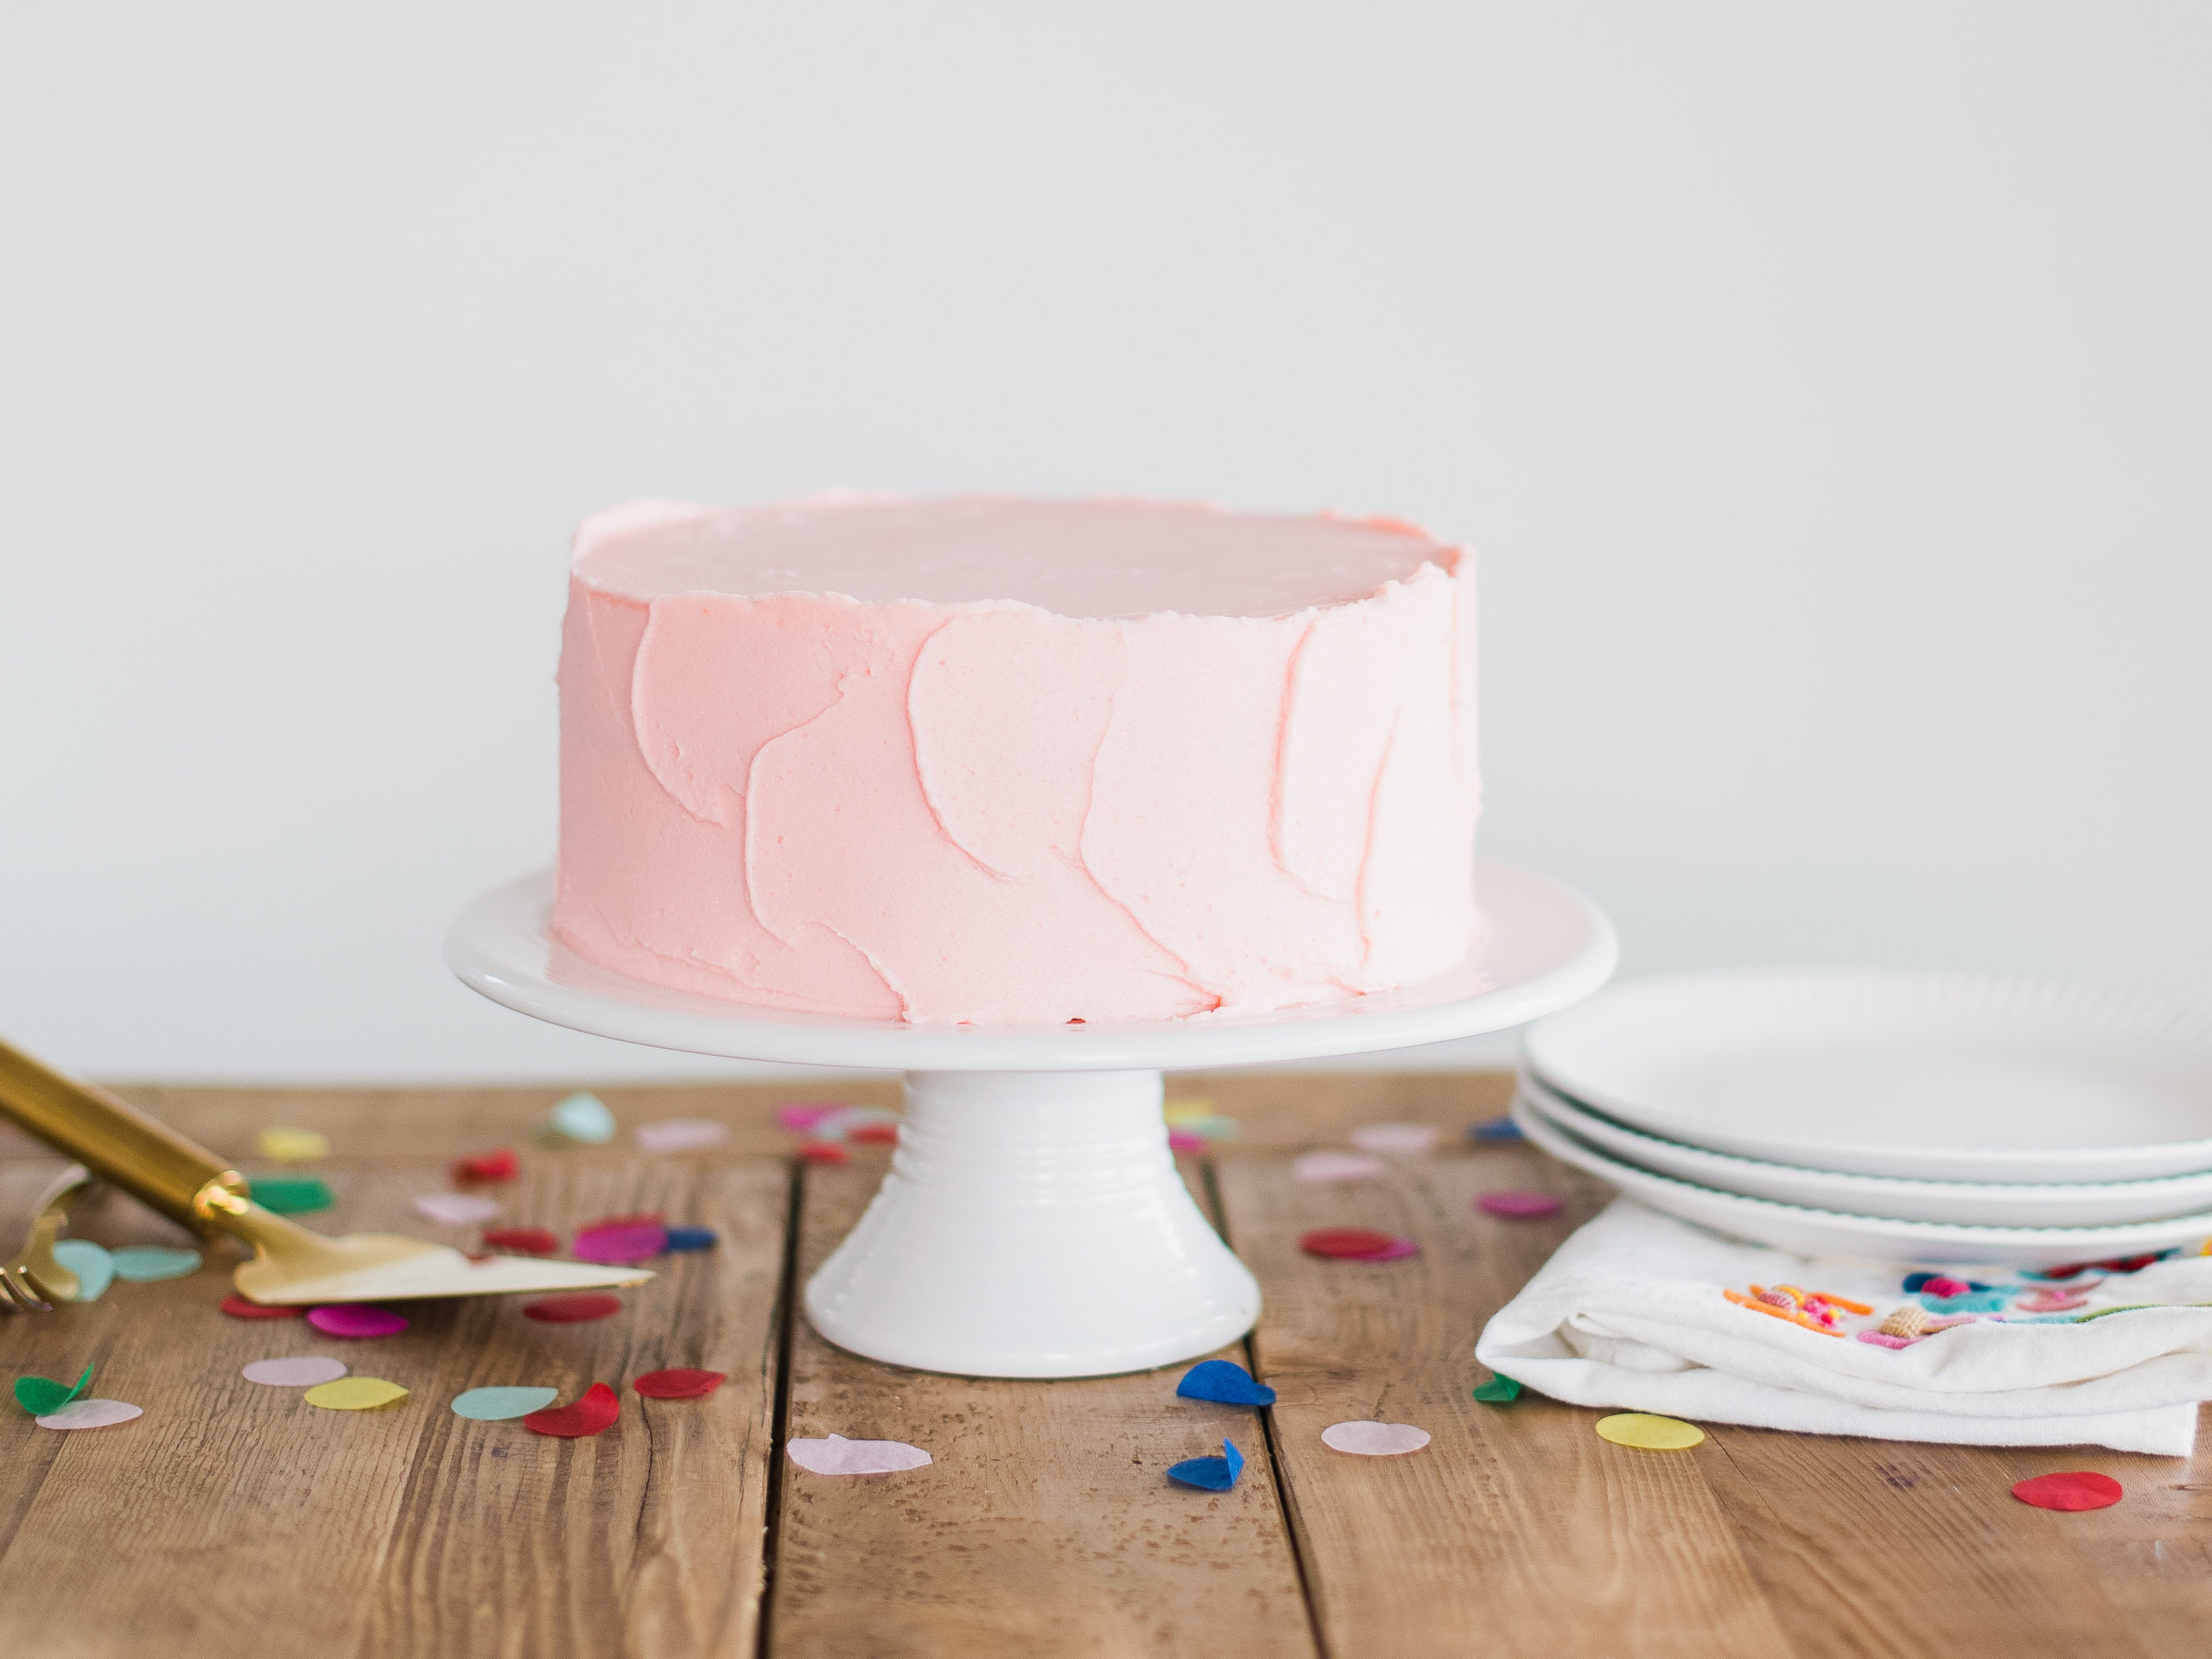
1014, 761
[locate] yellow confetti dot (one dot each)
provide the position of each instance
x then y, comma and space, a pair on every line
354, 1394
294, 1145
1652, 1434
1189, 1108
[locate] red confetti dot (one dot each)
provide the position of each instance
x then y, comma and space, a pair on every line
874, 1134
823, 1152
238, 1308
2077, 1489
1344, 1242
499, 1165
572, 1310
1397, 1250
680, 1384
593, 1414
523, 1240
1517, 1204
1180, 1140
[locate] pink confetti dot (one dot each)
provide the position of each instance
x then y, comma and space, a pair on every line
1517, 1204
355, 1320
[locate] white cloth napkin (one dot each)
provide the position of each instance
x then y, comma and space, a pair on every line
1629, 1312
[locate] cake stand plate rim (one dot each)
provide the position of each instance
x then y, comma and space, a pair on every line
1543, 946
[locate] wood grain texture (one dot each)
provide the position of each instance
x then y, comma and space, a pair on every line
1046, 1525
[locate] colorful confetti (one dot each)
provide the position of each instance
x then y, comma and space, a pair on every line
91, 1414
1183, 1143
620, 1243
238, 1308
837, 1455
94, 1266
42, 1396
280, 1146
2077, 1489
1185, 1109
1639, 1428
300, 1372
800, 1117
572, 1310
457, 1209
356, 1320
291, 1195
1210, 1474
1516, 1203
482, 1168
523, 1240
1397, 1250
1501, 1128
823, 1152
1333, 1166
143, 1263
1368, 1440
680, 1383
1349, 1243
583, 1118
501, 1405
874, 1134
682, 1240
1223, 1380
593, 1414
355, 1394
1404, 1139
1499, 1390
682, 1135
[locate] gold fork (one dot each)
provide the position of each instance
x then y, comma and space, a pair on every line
34, 1281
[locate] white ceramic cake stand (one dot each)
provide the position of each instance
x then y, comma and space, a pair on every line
1033, 1222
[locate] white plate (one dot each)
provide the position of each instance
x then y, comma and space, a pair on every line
1933, 1076
1831, 1232
1538, 946
2101, 1203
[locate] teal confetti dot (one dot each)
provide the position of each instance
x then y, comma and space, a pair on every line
501, 1405
582, 1117
141, 1263
94, 1267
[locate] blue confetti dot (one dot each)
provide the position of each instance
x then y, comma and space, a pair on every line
1494, 1128
691, 1238
1226, 1382
1210, 1474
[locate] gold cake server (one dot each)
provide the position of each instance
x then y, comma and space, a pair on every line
291, 1265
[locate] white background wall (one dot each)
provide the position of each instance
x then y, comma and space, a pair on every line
1828, 388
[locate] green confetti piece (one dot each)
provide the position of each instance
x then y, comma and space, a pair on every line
292, 1195
1499, 1389
503, 1404
41, 1395
582, 1117
94, 1267
142, 1262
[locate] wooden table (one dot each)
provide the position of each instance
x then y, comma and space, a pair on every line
234, 1521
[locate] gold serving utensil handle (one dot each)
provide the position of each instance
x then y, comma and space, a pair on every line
146, 1159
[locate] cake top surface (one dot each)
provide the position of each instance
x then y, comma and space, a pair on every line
1084, 559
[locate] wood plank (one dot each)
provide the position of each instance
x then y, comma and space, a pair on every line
1045, 1524
235, 1515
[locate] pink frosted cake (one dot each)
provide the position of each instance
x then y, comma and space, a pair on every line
1002, 760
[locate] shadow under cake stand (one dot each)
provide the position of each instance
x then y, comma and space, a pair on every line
1033, 1222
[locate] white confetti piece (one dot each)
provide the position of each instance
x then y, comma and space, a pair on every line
1374, 1439
457, 1209
1394, 1137
91, 1413
1335, 1166
839, 1456
681, 1135
299, 1372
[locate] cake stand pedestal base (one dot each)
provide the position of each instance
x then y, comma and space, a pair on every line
1033, 1224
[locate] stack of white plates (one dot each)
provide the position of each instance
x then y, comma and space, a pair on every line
1911, 1117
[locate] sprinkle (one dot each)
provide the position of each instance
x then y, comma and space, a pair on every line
1498, 1390
523, 1240
874, 1134
1344, 1242
620, 1244
457, 1209
1501, 1128
593, 1413
1181, 1141
572, 1310
838, 1456
679, 1382
2077, 1489
1516, 1203
281, 1146
1184, 1109
1639, 1428
682, 1135
1405, 1138
1333, 1166
355, 1394
91, 1413
1787, 1311
823, 1152
501, 1405
238, 1308
1210, 1474
499, 1164
583, 1118
142, 1264
1884, 1339
1225, 1382
355, 1320
1368, 1439
43, 1396
291, 1195
301, 1371
94, 1266
801, 1115
682, 1240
